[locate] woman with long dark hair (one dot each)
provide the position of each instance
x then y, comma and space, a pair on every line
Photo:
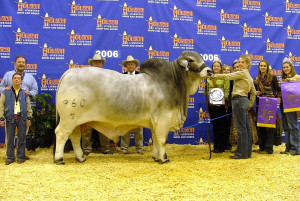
290, 119
266, 85
217, 110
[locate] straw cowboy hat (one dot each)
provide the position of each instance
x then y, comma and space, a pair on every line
96, 57
130, 59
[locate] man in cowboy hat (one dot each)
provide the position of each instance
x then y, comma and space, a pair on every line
87, 142
130, 63
97, 61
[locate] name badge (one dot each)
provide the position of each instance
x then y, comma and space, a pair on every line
15, 114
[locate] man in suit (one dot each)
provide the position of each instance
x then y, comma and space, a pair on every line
131, 64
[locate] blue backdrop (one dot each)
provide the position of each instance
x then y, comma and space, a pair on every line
58, 35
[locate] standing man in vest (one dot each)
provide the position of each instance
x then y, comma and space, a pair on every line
15, 112
131, 64
87, 142
29, 84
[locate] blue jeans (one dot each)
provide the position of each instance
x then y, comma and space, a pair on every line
292, 134
240, 107
11, 126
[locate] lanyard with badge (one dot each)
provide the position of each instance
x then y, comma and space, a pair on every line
16, 103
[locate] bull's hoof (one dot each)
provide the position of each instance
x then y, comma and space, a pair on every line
80, 161
164, 161
155, 159
59, 162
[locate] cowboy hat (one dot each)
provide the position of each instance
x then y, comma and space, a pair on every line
130, 59
96, 57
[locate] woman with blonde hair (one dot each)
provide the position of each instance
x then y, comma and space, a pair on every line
243, 85
290, 119
266, 85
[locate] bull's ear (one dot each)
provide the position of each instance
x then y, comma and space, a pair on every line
183, 63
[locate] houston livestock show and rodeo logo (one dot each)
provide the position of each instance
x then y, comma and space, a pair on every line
255, 59
48, 84
132, 41
54, 22
272, 47
294, 58
206, 29
191, 103
73, 64
182, 15
156, 26
4, 52
229, 45
251, 32
251, 5
23, 38
158, 54
207, 3
80, 10
106, 24
203, 116
292, 33
275, 21
5, 21
132, 12
80, 39
291, 7
182, 43
229, 18
185, 133
52, 53
31, 68
28, 8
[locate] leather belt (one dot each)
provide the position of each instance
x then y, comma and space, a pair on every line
237, 96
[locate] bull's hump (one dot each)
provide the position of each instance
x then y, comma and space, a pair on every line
152, 65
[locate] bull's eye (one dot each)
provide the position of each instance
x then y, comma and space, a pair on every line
190, 60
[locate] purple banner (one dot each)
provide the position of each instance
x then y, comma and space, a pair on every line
267, 109
290, 96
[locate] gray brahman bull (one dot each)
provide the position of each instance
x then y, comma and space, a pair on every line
113, 103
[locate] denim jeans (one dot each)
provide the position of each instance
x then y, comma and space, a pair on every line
240, 107
292, 134
10, 139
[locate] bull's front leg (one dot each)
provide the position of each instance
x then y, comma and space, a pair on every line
161, 133
155, 146
75, 139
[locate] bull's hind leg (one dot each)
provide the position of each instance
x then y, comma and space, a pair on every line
61, 138
75, 139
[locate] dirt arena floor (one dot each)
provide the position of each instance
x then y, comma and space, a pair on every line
188, 176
